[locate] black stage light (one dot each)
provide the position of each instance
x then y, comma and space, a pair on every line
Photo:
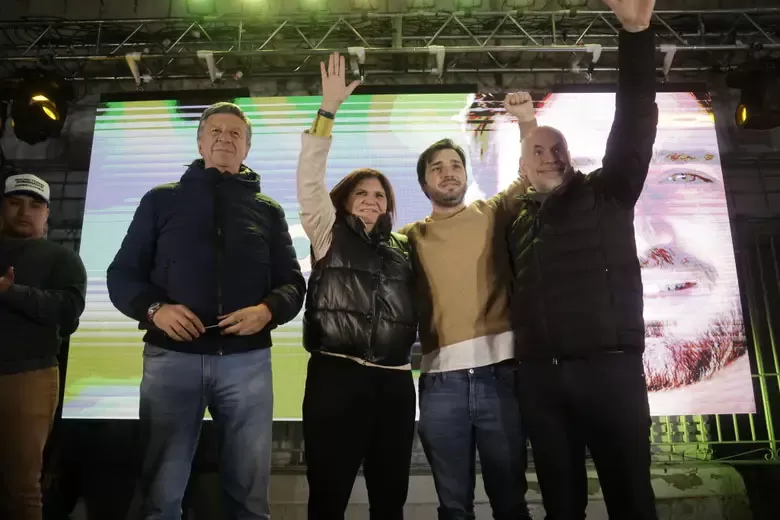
39, 107
759, 101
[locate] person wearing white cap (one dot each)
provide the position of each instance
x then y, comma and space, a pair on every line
25, 209
42, 290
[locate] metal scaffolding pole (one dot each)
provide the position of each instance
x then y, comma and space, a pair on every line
165, 48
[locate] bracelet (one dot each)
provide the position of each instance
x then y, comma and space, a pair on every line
325, 113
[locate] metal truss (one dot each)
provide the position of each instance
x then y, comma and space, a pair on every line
378, 43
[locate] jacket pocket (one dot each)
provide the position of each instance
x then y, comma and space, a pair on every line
153, 351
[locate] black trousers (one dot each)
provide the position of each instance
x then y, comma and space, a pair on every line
599, 403
355, 414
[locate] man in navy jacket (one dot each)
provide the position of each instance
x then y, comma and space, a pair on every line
208, 269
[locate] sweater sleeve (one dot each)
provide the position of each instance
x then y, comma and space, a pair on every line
60, 303
317, 213
508, 199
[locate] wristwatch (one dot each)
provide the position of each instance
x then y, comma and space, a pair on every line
152, 310
325, 113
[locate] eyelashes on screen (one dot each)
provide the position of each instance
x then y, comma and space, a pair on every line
686, 178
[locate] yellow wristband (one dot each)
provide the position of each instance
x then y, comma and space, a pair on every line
322, 126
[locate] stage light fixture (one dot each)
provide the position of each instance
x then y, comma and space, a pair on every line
759, 100
39, 107
200, 7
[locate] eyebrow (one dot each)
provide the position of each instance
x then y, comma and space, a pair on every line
440, 162
231, 128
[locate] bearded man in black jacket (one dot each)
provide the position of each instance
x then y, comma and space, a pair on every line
577, 304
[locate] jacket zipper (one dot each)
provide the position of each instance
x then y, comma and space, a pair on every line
375, 319
219, 252
545, 326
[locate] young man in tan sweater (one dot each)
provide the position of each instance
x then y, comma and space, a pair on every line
468, 392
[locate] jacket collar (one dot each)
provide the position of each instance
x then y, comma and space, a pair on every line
380, 232
197, 171
531, 195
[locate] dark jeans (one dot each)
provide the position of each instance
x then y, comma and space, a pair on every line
28, 401
355, 414
175, 391
600, 403
465, 411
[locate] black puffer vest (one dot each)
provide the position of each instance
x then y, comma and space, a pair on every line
360, 300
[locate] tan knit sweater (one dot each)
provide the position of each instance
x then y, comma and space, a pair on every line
464, 279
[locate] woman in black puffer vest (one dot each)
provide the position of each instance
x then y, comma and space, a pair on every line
359, 325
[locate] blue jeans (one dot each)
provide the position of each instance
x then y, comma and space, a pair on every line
175, 391
465, 411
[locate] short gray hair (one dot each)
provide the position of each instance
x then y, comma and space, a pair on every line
226, 108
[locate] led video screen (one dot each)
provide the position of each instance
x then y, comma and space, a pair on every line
696, 361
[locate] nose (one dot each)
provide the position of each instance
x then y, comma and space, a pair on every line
651, 227
550, 158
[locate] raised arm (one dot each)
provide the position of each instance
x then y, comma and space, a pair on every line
630, 144
317, 212
521, 106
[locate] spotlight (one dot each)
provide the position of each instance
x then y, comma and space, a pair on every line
759, 101
40, 106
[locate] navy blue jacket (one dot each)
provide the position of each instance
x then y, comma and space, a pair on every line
213, 243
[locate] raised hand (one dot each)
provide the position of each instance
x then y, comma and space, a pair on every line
334, 87
520, 105
635, 15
